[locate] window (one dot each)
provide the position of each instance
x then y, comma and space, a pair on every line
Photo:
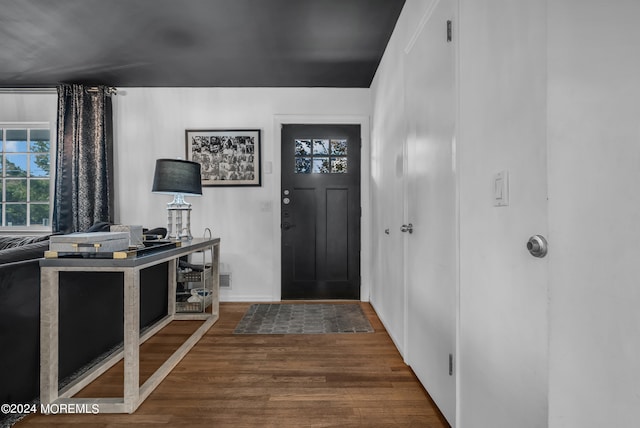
319, 156
25, 163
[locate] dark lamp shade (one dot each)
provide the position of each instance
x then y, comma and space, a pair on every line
177, 176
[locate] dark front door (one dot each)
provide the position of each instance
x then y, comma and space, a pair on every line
320, 211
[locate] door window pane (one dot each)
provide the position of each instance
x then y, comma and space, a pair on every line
321, 166
303, 165
313, 156
339, 147
303, 147
339, 165
320, 147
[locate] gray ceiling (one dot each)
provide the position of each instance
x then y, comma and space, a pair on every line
194, 43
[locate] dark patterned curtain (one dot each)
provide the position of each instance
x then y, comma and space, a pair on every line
84, 163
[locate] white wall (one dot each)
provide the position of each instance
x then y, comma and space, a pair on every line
594, 176
34, 107
503, 330
503, 338
563, 76
150, 123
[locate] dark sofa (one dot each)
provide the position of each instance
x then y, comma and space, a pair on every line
90, 316
20, 318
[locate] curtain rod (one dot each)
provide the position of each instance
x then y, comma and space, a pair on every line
110, 90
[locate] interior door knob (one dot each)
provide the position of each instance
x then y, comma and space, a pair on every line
407, 228
537, 246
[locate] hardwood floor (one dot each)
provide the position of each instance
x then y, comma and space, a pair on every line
321, 380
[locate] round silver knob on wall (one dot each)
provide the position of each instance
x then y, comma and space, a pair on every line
537, 246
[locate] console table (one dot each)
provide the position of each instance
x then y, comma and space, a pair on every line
133, 394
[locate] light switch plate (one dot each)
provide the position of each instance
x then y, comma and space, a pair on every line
501, 189
268, 167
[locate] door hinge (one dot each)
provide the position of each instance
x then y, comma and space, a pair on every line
449, 31
450, 364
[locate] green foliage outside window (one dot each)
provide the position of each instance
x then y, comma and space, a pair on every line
25, 168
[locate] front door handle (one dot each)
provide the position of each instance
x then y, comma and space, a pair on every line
407, 228
287, 226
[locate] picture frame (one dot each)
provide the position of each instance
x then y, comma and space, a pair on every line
228, 157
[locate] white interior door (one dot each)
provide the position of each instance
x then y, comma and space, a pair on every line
390, 301
432, 250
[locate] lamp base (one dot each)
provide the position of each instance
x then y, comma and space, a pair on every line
175, 213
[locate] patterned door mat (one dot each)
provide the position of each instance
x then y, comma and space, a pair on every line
303, 318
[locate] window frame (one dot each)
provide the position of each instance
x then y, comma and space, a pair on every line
28, 228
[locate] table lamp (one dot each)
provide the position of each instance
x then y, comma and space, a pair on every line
179, 178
